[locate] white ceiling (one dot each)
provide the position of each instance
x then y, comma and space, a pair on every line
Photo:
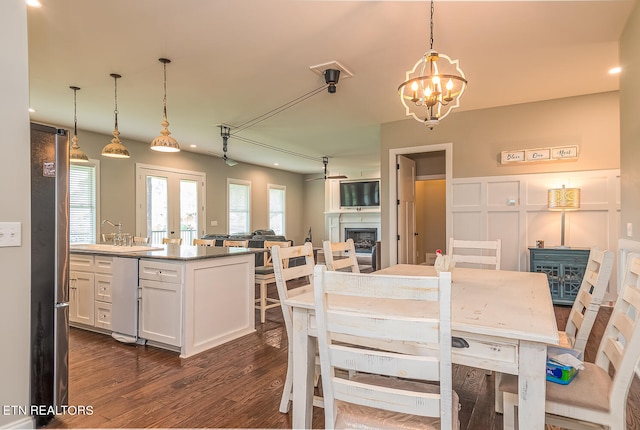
235, 60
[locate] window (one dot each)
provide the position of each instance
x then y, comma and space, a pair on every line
239, 198
83, 202
276, 208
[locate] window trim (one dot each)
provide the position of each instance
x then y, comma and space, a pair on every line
233, 181
282, 188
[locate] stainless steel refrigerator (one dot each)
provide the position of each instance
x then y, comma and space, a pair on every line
49, 271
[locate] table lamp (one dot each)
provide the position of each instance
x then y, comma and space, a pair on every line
563, 199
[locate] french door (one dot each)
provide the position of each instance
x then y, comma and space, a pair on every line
169, 203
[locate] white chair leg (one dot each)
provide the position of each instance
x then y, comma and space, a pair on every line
498, 405
287, 390
263, 301
509, 415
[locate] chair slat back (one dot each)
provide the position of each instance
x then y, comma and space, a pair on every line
268, 244
280, 258
204, 242
343, 307
476, 252
236, 243
345, 250
587, 303
172, 240
620, 344
140, 239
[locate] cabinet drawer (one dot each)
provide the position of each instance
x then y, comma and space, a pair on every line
103, 315
103, 285
157, 271
81, 262
103, 264
487, 353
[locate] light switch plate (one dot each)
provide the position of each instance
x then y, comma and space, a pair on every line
10, 234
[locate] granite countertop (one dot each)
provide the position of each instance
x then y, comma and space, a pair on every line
164, 252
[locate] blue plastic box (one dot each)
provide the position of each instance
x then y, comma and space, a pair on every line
558, 373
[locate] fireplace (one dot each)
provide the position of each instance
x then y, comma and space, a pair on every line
363, 238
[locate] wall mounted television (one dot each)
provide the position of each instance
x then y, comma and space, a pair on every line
360, 193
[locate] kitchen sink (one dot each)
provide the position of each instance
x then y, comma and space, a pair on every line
105, 247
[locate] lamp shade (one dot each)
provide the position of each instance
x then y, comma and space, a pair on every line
564, 198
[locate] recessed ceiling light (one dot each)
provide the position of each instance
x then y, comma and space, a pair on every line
193, 146
33, 3
32, 110
615, 70
275, 164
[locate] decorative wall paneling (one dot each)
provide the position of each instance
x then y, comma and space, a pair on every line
514, 209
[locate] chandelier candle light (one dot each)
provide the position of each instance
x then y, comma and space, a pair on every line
433, 87
563, 199
115, 149
76, 155
164, 142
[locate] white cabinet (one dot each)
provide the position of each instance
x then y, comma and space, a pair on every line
103, 292
81, 297
160, 311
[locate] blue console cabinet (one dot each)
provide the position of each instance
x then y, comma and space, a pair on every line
564, 269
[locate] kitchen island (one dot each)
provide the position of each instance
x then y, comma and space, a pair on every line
184, 298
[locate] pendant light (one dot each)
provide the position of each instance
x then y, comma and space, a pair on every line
433, 87
115, 149
76, 155
164, 142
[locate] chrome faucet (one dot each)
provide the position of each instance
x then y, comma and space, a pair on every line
119, 225
117, 240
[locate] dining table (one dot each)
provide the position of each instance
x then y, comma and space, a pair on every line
501, 321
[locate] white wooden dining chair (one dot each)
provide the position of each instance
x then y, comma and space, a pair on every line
476, 253
265, 275
172, 240
280, 258
392, 388
585, 308
340, 256
598, 393
140, 240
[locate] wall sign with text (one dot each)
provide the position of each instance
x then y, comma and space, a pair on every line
556, 153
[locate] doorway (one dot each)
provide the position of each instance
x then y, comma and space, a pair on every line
432, 181
169, 203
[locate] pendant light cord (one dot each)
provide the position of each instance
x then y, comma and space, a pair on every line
431, 23
115, 111
165, 88
75, 117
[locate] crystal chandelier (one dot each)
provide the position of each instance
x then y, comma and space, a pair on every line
433, 87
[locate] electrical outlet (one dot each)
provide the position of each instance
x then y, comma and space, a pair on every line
10, 234
629, 229
214, 223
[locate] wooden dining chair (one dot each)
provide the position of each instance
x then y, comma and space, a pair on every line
392, 388
204, 242
286, 272
584, 311
598, 393
140, 240
340, 256
476, 253
235, 243
172, 240
264, 275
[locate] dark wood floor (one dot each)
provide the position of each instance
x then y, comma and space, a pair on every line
236, 385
